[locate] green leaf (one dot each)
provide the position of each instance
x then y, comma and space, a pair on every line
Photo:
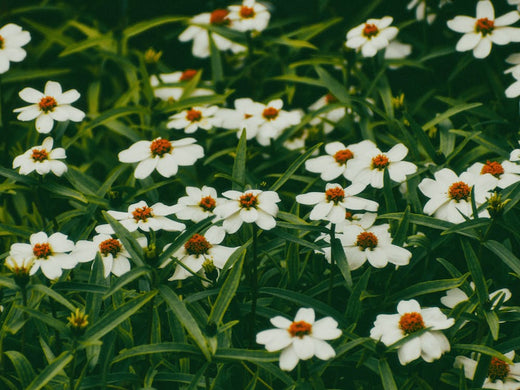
402, 229
292, 78
504, 254
143, 26
53, 294
477, 275
217, 71
50, 371
449, 113
239, 165
338, 254
419, 219
128, 277
333, 85
235, 354
15, 75
387, 378
46, 319
428, 287
422, 137
295, 43
129, 241
482, 349
102, 41
152, 349
354, 301
22, 366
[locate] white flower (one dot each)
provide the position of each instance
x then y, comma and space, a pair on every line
245, 116
201, 252
450, 195
515, 155
328, 117
332, 204
372, 36
141, 216
199, 204
42, 159
249, 206
161, 154
12, 38
455, 296
338, 159
166, 92
397, 50
430, 345
501, 375
302, 338
200, 38
20, 266
513, 90
250, 16
297, 141
193, 119
50, 253
481, 32
274, 120
369, 168
505, 173
52, 105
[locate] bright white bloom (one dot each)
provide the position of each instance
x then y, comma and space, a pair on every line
338, 160
200, 35
450, 195
249, 206
141, 216
333, 204
12, 38
50, 253
364, 220
245, 116
250, 16
52, 105
430, 345
193, 119
501, 375
515, 155
166, 92
481, 32
161, 154
302, 338
328, 117
198, 205
505, 173
42, 159
397, 50
513, 90
372, 36
201, 252
455, 296
369, 168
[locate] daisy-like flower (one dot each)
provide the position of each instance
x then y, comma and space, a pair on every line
450, 195
275, 121
200, 35
338, 159
246, 116
372, 36
49, 106
50, 253
330, 117
161, 154
198, 205
397, 50
12, 38
370, 166
505, 173
19, 266
430, 345
42, 159
513, 90
249, 206
515, 155
250, 16
455, 296
332, 204
167, 93
201, 252
481, 32
141, 216
193, 119
300, 339
501, 375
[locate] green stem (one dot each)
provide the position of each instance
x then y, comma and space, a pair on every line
254, 287
72, 377
332, 262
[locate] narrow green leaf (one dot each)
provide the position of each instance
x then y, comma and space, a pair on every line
292, 78
333, 85
295, 43
152, 349
46, 319
422, 137
143, 26
239, 165
129, 241
429, 287
475, 269
449, 113
217, 71
15, 75
354, 301
387, 378
482, 349
504, 254
128, 277
236, 354
87, 44
22, 366
339, 257
53, 294
402, 229
50, 371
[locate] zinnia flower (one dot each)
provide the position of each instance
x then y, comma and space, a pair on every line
372, 36
250, 16
42, 159
12, 38
199, 204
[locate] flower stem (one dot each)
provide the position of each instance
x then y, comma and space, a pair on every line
254, 287
331, 276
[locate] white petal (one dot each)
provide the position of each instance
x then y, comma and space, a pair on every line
288, 359
304, 347
31, 95
44, 124
483, 49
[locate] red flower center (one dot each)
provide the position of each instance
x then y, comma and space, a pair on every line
411, 322
142, 213
188, 74
247, 12
248, 200
484, 26
193, 115
370, 30
39, 155
110, 246
342, 156
47, 103
300, 329
498, 369
42, 251
366, 240
330, 98
336, 195
380, 162
493, 167
459, 191
197, 245
208, 203
219, 16
349, 216
270, 113
160, 146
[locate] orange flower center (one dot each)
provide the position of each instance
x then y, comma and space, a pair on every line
208, 203
42, 251
197, 245
248, 200
110, 246
411, 322
219, 16
300, 329
342, 156
484, 26
39, 155
2, 42
349, 216
247, 12
366, 240
193, 115
498, 369
459, 191
160, 146
335, 195
188, 74
142, 213
370, 30
270, 113
47, 103
380, 162
493, 167
330, 98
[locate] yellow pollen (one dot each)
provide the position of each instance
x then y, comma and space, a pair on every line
47, 103
110, 246
160, 146
39, 155
336, 195
142, 213
380, 162
207, 203
197, 245
42, 251
492, 167
300, 329
411, 322
370, 30
366, 240
248, 200
270, 113
342, 156
193, 115
459, 191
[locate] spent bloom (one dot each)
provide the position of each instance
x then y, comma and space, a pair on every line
329, 114
194, 118
12, 38
300, 339
372, 36
249, 16
199, 204
410, 318
42, 159
49, 106
166, 92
